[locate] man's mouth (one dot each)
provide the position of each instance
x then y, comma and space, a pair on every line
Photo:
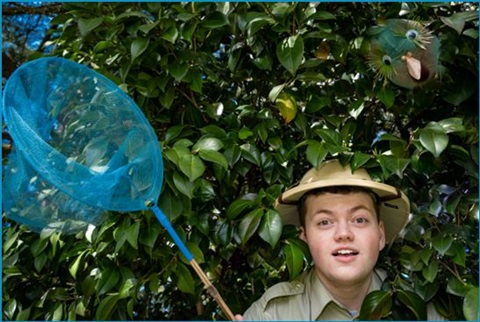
345, 252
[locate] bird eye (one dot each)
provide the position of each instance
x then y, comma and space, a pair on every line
386, 60
411, 34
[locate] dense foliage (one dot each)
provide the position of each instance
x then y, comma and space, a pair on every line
244, 98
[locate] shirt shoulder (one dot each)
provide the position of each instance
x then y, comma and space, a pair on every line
277, 301
284, 289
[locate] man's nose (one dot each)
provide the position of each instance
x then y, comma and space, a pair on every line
343, 231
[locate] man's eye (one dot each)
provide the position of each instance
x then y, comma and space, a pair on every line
324, 222
361, 220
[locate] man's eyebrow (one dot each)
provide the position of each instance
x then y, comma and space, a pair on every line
354, 209
361, 207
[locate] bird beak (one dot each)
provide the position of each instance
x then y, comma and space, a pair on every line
414, 66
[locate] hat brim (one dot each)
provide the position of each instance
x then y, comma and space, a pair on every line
394, 208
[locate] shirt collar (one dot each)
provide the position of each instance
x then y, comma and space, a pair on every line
320, 297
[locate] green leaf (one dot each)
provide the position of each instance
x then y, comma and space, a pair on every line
290, 53
456, 287
435, 207
207, 143
237, 207
453, 124
256, 21
178, 70
214, 130
126, 287
185, 282
456, 21
9, 240
215, 157
245, 133
391, 164
426, 291
376, 305
149, 236
426, 252
132, 234
330, 137
215, 20
196, 253
109, 279
104, 309
457, 251
275, 91
146, 28
323, 15
430, 271
433, 138
270, 229
356, 108
80, 308
120, 236
294, 259
87, 25
40, 261
76, 264
471, 32
130, 306
387, 96
58, 313
316, 103
249, 224
192, 166
24, 314
251, 153
38, 246
194, 77
316, 152
167, 98
359, 159
103, 45
224, 231
129, 14
442, 243
139, 45
264, 62
470, 305
458, 152
172, 205
183, 185
461, 88
414, 303
9, 308
170, 34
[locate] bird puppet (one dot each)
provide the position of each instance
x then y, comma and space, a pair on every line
403, 51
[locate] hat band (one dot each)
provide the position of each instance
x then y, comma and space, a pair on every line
398, 195
283, 202
392, 197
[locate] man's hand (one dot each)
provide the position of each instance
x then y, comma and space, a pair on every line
238, 317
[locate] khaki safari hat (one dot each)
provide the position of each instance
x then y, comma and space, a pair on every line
394, 207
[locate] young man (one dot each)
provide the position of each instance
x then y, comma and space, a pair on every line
346, 219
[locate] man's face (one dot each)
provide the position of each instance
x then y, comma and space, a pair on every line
344, 237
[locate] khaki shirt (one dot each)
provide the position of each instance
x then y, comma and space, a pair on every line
308, 299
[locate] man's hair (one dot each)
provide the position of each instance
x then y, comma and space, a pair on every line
302, 211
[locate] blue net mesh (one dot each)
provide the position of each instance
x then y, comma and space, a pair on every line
82, 147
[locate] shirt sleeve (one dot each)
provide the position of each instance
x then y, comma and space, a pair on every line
256, 312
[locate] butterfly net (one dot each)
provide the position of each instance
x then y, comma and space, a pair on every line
81, 147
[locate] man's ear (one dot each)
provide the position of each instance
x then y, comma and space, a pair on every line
382, 235
301, 234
